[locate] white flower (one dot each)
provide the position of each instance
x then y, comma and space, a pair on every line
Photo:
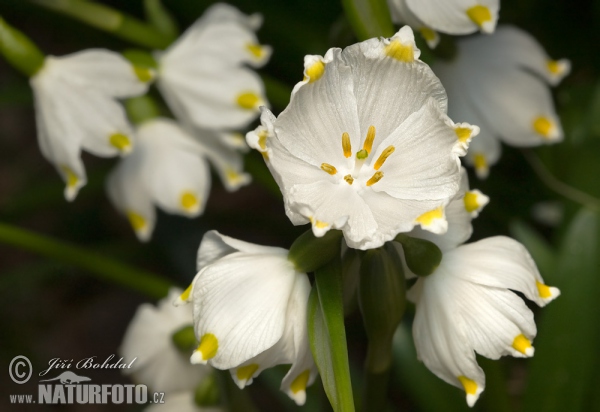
250, 309
501, 83
168, 168
468, 305
456, 16
365, 145
181, 402
158, 362
202, 75
401, 14
77, 108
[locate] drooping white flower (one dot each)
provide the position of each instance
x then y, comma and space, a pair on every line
77, 108
181, 402
456, 16
468, 305
401, 14
250, 308
202, 75
365, 145
158, 362
169, 169
500, 82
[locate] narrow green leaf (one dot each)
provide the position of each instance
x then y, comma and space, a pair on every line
562, 372
540, 250
159, 17
369, 18
328, 336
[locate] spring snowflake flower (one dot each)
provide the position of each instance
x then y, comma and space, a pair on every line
169, 169
365, 145
158, 362
250, 308
501, 83
77, 108
202, 75
449, 16
401, 14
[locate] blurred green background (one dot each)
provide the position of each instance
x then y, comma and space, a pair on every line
51, 309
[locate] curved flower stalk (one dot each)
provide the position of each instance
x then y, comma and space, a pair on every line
250, 308
501, 83
365, 144
158, 362
77, 108
448, 16
203, 77
169, 169
401, 14
468, 304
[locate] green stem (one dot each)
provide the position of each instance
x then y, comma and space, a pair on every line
369, 18
376, 390
104, 268
110, 20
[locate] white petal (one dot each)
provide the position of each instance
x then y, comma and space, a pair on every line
239, 307
451, 16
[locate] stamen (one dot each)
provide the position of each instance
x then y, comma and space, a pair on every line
349, 179
346, 145
362, 154
375, 178
368, 145
328, 168
383, 156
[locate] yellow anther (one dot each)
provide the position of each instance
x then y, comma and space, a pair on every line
383, 156
469, 384
523, 345
315, 71
428, 34
463, 134
136, 220
186, 294
245, 373
471, 204
248, 100
362, 154
375, 178
120, 141
256, 50
346, 145
479, 15
427, 218
189, 201
328, 168
402, 52
71, 177
299, 384
143, 74
543, 126
349, 179
368, 145
543, 290
209, 345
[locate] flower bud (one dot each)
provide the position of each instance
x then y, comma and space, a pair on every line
308, 253
422, 256
207, 392
185, 339
19, 50
141, 108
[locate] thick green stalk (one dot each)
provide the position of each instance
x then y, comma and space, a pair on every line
369, 18
110, 20
104, 268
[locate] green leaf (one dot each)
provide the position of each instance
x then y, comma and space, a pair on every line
562, 372
540, 250
369, 18
159, 17
328, 336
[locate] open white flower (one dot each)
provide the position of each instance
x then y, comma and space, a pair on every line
202, 75
468, 305
169, 168
250, 308
365, 145
77, 108
401, 14
501, 83
158, 362
456, 16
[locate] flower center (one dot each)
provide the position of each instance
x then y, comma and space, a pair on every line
355, 172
